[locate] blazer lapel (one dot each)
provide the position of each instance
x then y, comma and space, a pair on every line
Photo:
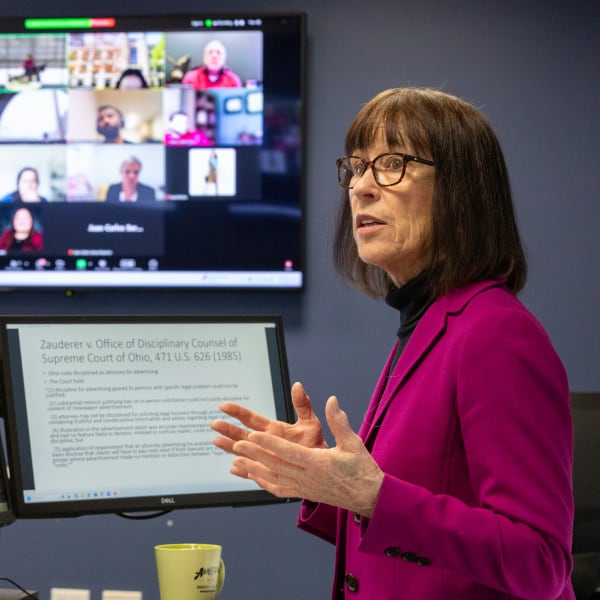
427, 333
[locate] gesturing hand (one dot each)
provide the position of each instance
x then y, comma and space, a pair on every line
345, 476
306, 431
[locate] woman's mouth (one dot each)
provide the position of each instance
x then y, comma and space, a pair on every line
365, 221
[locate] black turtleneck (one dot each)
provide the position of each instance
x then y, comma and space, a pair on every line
411, 300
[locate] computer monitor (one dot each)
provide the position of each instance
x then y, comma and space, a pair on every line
112, 414
586, 471
7, 515
153, 151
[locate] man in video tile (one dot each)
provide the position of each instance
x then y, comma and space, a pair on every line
109, 122
130, 189
214, 73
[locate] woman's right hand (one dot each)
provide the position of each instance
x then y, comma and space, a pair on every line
306, 431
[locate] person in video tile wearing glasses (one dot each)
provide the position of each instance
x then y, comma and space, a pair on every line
458, 483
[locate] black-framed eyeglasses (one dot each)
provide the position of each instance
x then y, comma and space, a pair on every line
388, 168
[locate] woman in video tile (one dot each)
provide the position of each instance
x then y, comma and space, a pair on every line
21, 233
28, 182
130, 189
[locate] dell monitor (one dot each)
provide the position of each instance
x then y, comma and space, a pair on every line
112, 414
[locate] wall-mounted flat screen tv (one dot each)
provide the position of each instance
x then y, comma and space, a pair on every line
112, 414
152, 151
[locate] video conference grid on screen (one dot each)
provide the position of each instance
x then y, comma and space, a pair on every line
166, 154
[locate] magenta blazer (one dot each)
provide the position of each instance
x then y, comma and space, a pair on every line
473, 432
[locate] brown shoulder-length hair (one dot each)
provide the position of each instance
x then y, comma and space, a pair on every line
474, 230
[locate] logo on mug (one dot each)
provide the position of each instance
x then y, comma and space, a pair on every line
206, 571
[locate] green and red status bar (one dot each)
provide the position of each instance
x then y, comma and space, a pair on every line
71, 23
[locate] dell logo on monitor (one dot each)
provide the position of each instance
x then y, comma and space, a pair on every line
167, 500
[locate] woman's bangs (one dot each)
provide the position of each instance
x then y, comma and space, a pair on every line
373, 126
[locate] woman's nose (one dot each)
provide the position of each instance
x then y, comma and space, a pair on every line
366, 183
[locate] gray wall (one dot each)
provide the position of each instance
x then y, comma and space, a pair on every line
532, 67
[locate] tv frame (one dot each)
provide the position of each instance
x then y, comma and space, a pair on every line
232, 270
17, 424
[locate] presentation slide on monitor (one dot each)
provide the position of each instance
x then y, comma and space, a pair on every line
115, 403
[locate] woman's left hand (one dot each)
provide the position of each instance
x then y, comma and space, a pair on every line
345, 475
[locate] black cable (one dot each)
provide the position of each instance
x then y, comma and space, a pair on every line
27, 594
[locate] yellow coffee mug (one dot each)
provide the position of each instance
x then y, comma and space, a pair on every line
189, 571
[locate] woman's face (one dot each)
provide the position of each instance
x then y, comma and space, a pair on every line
28, 185
392, 225
131, 82
22, 221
